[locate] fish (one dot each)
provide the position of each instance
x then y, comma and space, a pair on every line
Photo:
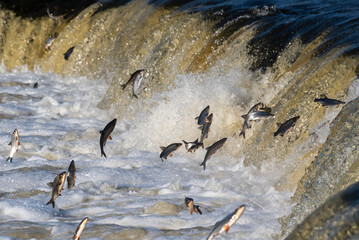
106, 134
36, 85
80, 228
284, 127
251, 115
226, 223
50, 41
328, 101
15, 143
68, 53
202, 118
57, 186
71, 175
192, 146
256, 116
168, 151
212, 150
191, 206
136, 79
205, 128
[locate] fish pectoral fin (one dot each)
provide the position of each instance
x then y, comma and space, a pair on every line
244, 116
18, 144
191, 211
50, 184
226, 228
109, 137
162, 148
171, 154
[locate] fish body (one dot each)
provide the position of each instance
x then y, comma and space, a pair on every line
226, 223
328, 101
257, 112
57, 186
256, 116
168, 151
284, 127
192, 146
15, 143
191, 206
80, 228
71, 175
50, 41
205, 128
202, 118
106, 134
212, 150
136, 79
68, 53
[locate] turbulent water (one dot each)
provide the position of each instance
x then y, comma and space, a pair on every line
225, 54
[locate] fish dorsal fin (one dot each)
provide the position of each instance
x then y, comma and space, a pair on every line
323, 96
50, 184
279, 124
244, 116
196, 142
101, 131
184, 142
162, 148
10, 143
196, 118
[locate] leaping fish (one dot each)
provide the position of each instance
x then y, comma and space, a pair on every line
106, 134
15, 143
192, 146
168, 151
57, 186
226, 223
80, 228
136, 79
202, 118
212, 150
71, 175
328, 101
205, 128
191, 206
50, 41
284, 127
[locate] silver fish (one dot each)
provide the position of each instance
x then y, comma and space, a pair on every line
259, 107
80, 228
50, 41
256, 116
71, 175
212, 150
15, 143
57, 186
192, 146
168, 151
106, 134
226, 223
202, 118
191, 206
205, 128
136, 79
328, 101
284, 127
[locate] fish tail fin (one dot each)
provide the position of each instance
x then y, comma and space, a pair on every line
134, 95
103, 153
243, 132
203, 164
51, 201
275, 134
9, 159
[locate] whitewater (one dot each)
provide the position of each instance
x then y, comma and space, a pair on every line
131, 194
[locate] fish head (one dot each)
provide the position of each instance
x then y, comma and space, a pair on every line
188, 201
